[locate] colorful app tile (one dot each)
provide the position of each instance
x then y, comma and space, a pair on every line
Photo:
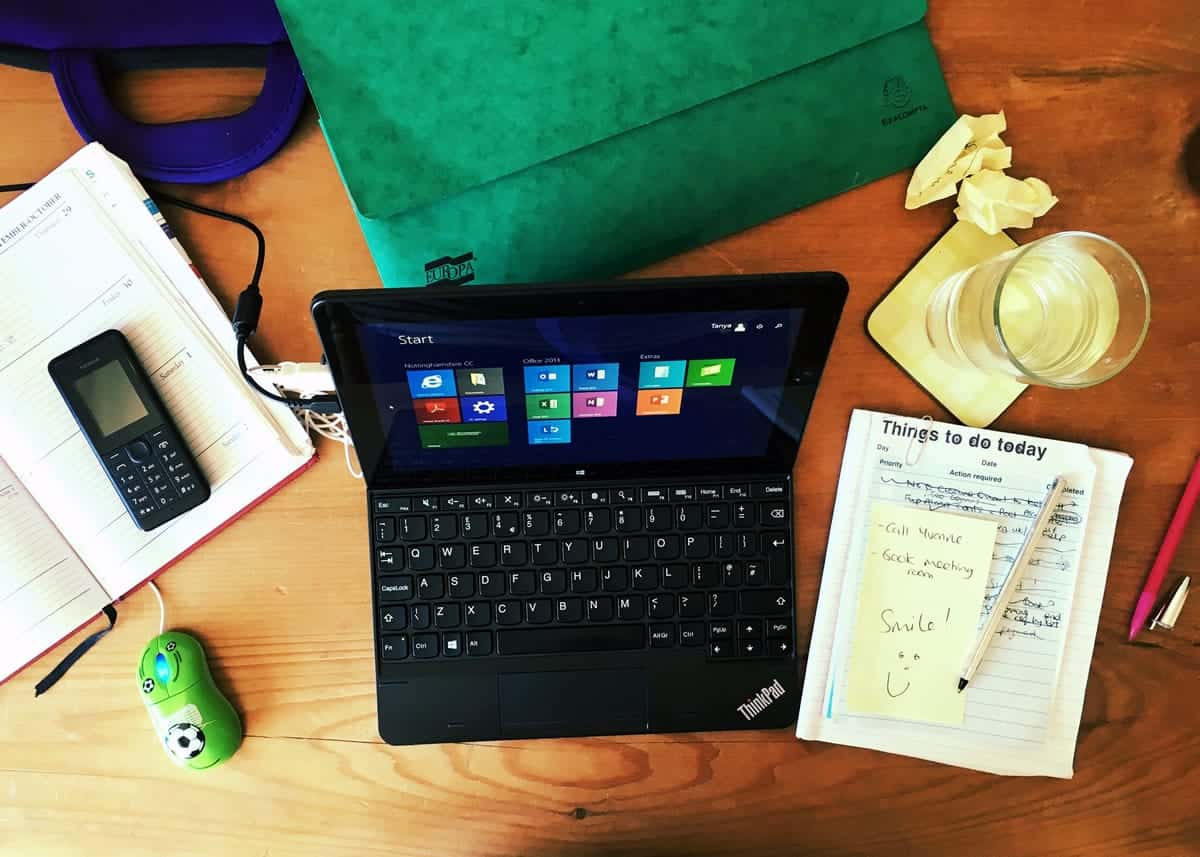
437, 411
484, 409
453, 436
602, 403
480, 382
548, 379
715, 372
595, 376
431, 383
548, 406
657, 402
549, 431
661, 374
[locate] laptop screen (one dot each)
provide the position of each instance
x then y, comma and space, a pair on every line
576, 393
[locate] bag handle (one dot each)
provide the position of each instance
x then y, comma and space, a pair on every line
195, 150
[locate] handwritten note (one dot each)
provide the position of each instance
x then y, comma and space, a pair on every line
922, 590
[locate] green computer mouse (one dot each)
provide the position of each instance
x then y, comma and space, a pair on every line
195, 722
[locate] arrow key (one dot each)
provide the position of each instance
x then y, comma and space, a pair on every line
750, 629
779, 648
720, 649
750, 648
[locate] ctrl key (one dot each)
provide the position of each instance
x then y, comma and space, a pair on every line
394, 647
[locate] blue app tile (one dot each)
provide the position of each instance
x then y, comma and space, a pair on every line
430, 383
595, 376
549, 431
661, 374
548, 379
483, 409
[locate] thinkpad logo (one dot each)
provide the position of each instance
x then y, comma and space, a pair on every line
761, 701
450, 270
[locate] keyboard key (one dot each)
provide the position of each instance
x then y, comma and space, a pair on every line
569, 609
644, 576
709, 492
720, 630
680, 493
653, 495
743, 515
629, 607
583, 580
393, 589
751, 629
623, 495
508, 612
477, 613
420, 616
605, 549
491, 585
599, 609
696, 547
704, 574
674, 576
537, 522
737, 492
687, 517
393, 618
552, 582
722, 603
749, 648
452, 556
691, 605
595, 496
479, 642
420, 557
755, 574
385, 530
720, 649
539, 498
662, 636
538, 641
780, 569
776, 542
538, 610
452, 644
425, 504
691, 633
522, 583
778, 648
723, 544
658, 518
773, 513
746, 545
509, 501
567, 498
614, 579
574, 551
454, 503
514, 553
387, 560
731, 574
482, 555
394, 648
392, 505
666, 547
425, 645
543, 552
597, 520
779, 629
770, 489
567, 522
766, 602
482, 501
660, 606
431, 586
474, 526
412, 528
717, 515
447, 615
506, 524
635, 548
443, 527
629, 520
461, 585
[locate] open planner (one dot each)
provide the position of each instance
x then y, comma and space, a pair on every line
86, 250
902, 478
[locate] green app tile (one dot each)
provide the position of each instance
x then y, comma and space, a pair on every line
458, 435
710, 373
548, 406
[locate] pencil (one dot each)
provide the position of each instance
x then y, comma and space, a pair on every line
975, 658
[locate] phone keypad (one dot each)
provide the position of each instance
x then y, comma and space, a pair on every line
152, 474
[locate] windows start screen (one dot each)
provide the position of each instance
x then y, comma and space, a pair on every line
470, 407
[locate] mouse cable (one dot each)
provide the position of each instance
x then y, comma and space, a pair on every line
162, 610
249, 304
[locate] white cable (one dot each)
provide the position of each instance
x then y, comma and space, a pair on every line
162, 611
333, 426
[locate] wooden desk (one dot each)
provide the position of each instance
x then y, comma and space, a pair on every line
1100, 98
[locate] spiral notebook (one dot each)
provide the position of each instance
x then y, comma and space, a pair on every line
83, 251
1023, 708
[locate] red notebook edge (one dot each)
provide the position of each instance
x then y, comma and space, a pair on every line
266, 495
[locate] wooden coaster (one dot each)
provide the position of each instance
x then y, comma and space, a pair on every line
898, 325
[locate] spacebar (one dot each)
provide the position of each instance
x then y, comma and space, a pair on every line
545, 641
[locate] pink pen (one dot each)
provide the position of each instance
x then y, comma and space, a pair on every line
1145, 602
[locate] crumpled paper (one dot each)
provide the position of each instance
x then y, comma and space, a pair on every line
971, 152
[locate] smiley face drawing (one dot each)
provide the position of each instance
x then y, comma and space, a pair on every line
902, 669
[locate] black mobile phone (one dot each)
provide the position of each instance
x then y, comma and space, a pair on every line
117, 409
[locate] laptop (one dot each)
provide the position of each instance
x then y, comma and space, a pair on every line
580, 499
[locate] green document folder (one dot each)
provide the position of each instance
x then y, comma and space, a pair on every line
526, 141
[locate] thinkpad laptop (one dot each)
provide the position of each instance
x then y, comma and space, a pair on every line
580, 499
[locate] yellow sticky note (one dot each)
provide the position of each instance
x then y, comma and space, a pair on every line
918, 611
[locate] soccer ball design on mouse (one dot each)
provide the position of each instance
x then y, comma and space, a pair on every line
196, 724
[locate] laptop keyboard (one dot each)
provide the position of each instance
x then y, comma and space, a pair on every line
584, 569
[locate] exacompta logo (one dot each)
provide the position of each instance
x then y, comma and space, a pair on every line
759, 703
450, 271
896, 96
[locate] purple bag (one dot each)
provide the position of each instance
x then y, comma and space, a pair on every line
75, 39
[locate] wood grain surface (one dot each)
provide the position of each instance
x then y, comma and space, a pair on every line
1101, 97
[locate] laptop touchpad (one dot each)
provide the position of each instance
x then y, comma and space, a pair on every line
572, 702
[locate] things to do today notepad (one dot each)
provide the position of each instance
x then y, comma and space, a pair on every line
1021, 713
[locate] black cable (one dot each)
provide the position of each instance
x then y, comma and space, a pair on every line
13, 188
230, 218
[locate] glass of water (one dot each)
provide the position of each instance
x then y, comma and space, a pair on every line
1069, 310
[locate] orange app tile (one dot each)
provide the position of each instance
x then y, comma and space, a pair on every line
657, 402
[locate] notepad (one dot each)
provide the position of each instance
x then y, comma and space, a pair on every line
1022, 710
83, 251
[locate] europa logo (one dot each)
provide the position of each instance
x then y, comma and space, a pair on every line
450, 270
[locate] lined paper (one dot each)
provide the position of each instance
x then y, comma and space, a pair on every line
1024, 703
